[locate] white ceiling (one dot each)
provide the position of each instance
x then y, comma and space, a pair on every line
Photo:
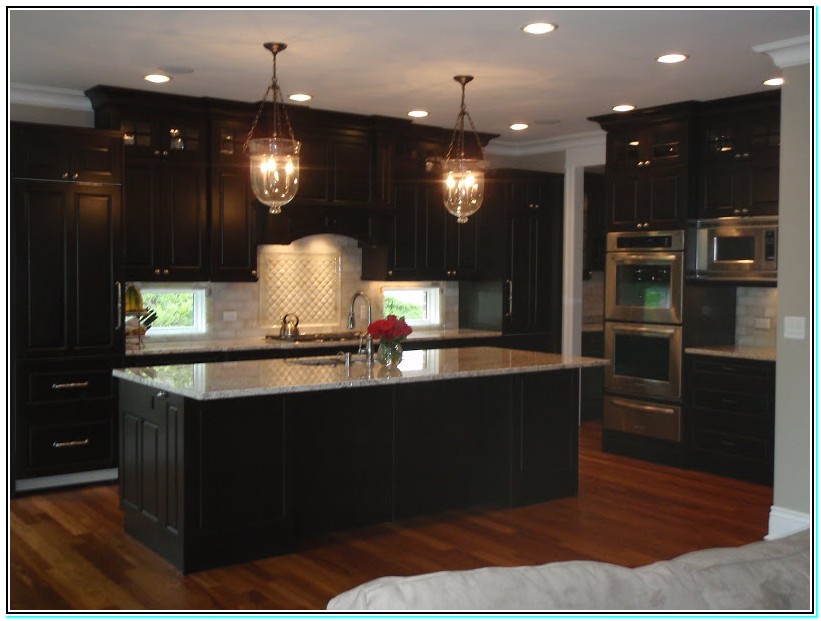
390, 61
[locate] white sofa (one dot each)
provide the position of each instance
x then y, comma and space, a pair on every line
766, 575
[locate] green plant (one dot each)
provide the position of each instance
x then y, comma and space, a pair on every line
403, 309
173, 309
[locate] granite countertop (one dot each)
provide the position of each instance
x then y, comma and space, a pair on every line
220, 380
734, 351
247, 344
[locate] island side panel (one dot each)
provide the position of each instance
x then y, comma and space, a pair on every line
343, 456
151, 468
451, 444
544, 436
238, 481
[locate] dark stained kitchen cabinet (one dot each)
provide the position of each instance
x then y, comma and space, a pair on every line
234, 210
423, 241
165, 183
533, 215
731, 416
545, 438
648, 167
739, 138
66, 294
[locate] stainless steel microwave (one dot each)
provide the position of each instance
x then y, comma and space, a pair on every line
733, 249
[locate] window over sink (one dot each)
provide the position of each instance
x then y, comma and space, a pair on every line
420, 305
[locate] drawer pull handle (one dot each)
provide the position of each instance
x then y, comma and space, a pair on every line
69, 385
70, 443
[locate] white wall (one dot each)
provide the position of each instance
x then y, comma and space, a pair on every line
794, 467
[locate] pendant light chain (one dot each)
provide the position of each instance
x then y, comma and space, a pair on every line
459, 128
276, 99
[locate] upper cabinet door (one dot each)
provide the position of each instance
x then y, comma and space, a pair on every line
76, 155
66, 240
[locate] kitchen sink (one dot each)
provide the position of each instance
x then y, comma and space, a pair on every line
318, 337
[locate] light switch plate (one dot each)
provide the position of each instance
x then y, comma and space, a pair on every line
795, 328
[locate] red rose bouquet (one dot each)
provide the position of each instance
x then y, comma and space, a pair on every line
389, 330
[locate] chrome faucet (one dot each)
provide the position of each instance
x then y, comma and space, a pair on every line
351, 317
368, 337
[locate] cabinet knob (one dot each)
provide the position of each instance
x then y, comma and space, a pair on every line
638, 226
390, 272
165, 153
156, 152
156, 271
165, 272
161, 395
253, 272
745, 156
737, 156
745, 211
65, 175
75, 176
736, 211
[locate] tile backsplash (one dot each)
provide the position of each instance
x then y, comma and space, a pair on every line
593, 299
315, 278
756, 316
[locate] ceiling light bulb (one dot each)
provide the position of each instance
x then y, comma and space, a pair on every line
669, 59
623, 108
517, 127
774, 82
157, 78
300, 97
418, 114
539, 28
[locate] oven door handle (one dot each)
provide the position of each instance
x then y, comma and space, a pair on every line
644, 330
633, 405
647, 258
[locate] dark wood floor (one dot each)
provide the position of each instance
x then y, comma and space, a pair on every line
68, 551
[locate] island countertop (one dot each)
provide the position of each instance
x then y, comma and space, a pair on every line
221, 380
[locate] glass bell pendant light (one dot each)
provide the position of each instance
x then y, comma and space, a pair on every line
464, 176
274, 159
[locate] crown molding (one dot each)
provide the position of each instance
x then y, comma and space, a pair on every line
48, 97
550, 145
788, 52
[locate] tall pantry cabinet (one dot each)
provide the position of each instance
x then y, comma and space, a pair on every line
65, 306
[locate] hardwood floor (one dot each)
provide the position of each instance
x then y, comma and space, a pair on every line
68, 551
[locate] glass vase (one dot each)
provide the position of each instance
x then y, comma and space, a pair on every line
389, 353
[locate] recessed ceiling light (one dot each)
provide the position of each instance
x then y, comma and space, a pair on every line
669, 59
517, 127
774, 82
539, 28
418, 114
157, 78
623, 108
300, 97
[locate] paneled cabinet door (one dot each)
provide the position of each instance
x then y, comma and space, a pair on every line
739, 175
647, 200
61, 154
234, 209
164, 220
67, 282
532, 296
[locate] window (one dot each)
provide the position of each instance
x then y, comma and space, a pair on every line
419, 305
179, 311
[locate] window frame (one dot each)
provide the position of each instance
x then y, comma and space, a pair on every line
200, 319
436, 318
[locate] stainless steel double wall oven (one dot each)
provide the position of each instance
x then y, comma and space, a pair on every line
644, 281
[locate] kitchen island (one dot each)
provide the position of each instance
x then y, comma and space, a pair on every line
227, 462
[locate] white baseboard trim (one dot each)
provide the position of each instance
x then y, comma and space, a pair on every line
785, 522
63, 480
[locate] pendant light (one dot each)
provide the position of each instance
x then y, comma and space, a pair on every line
464, 177
274, 159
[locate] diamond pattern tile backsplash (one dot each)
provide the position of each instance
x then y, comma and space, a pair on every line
315, 278
307, 284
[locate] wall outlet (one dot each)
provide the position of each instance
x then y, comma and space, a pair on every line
795, 328
229, 315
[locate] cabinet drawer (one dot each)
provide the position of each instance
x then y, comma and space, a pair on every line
80, 444
759, 405
51, 385
739, 446
746, 374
